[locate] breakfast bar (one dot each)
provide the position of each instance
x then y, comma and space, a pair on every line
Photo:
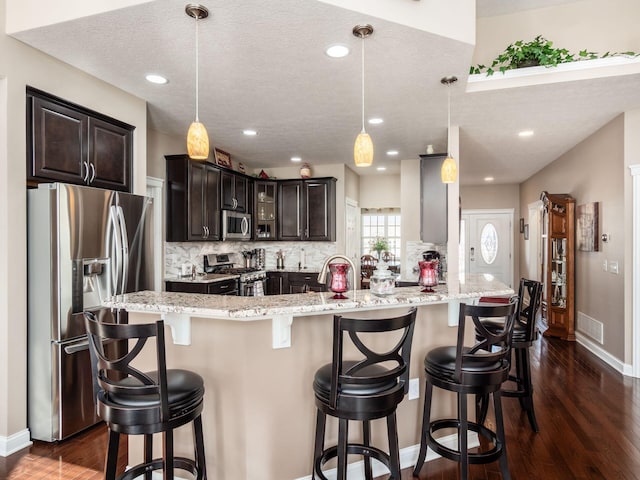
258, 356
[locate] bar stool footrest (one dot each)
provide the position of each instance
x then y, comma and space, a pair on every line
179, 463
352, 449
474, 457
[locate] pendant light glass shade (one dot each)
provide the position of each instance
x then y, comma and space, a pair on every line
197, 137
363, 148
197, 141
449, 169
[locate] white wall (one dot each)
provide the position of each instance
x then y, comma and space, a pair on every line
380, 191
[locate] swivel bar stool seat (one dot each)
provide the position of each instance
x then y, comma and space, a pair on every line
133, 402
469, 370
525, 333
363, 389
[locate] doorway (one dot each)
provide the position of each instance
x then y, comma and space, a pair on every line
486, 243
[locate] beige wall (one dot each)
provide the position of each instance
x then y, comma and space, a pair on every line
593, 171
22, 65
159, 145
380, 191
352, 184
594, 25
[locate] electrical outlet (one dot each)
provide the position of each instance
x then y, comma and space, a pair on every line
414, 388
604, 265
613, 267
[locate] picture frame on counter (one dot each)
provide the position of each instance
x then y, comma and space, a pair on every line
223, 158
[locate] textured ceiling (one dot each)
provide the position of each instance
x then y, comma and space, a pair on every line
262, 66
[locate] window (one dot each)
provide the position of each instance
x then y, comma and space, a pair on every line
381, 224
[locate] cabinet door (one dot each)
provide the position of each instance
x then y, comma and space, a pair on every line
212, 203
234, 192
290, 210
227, 187
58, 149
241, 193
320, 210
109, 155
265, 210
197, 192
276, 283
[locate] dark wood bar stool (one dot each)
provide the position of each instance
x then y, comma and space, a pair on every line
132, 402
363, 389
525, 333
469, 370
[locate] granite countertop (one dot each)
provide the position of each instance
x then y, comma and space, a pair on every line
202, 278
310, 271
257, 308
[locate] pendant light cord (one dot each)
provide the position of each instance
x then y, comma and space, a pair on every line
448, 120
362, 37
197, 68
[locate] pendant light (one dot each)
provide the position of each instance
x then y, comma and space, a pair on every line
197, 138
363, 148
449, 169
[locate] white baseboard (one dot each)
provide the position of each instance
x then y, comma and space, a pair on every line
602, 354
408, 458
15, 442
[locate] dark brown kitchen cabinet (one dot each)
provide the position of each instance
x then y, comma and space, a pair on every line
300, 282
279, 283
193, 201
71, 144
222, 287
234, 191
307, 209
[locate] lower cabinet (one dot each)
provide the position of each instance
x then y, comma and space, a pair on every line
224, 287
279, 283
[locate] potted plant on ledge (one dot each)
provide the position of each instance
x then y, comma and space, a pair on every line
539, 51
380, 245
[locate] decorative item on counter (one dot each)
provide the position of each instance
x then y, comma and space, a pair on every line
302, 263
338, 279
428, 275
383, 281
280, 260
305, 171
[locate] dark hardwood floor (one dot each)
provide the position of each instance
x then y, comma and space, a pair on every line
589, 417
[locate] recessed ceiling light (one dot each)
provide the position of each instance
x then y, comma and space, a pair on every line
376, 121
157, 79
525, 133
392, 152
250, 133
381, 169
296, 159
337, 51
489, 179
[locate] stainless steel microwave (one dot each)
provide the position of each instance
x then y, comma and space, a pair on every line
236, 225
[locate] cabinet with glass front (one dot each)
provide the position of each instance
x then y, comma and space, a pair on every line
265, 210
558, 232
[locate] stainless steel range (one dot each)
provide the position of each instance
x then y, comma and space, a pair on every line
252, 281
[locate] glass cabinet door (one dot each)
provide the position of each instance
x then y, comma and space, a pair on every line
265, 212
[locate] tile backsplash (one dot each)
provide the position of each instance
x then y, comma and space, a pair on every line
178, 253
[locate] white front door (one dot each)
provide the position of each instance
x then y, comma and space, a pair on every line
487, 243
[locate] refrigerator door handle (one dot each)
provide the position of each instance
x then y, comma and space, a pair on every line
116, 251
77, 347
124, 238
245, 225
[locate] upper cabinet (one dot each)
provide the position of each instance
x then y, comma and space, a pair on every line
193, 200
235, 192
558, 232
307, 209
68, 143
433, 200
265, 209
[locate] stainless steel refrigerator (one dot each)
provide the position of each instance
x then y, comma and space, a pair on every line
84, 244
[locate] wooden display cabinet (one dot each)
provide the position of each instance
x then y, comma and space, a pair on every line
558, 234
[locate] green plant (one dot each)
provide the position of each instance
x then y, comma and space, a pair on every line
380, 245
539, 51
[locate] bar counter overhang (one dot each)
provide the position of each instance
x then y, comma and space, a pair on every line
258, 356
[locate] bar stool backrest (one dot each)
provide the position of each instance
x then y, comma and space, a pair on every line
530, 296
398, 356
491, 347
108, 372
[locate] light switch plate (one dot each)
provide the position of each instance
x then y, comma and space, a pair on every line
613, 267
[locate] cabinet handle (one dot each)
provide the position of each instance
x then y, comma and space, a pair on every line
204, 231
235, 203
93, 172
208, 231
85, 177
471, 256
